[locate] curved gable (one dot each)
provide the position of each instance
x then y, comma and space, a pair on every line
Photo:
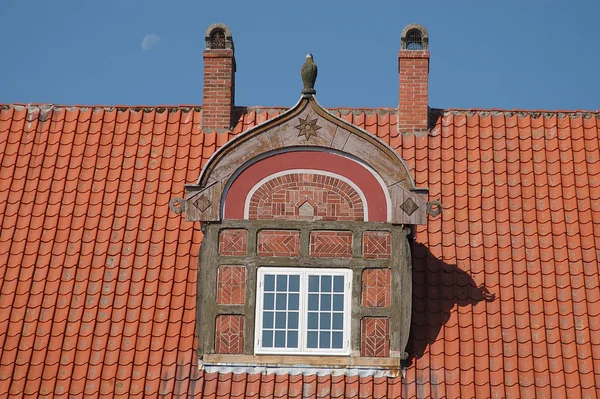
306, 127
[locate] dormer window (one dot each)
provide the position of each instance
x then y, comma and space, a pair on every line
303, 311
305, 256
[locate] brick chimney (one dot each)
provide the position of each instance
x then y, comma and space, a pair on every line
413, 68
219, 79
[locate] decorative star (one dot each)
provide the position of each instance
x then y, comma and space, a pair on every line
307, 128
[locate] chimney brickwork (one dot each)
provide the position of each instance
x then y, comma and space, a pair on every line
219, 80
413, 70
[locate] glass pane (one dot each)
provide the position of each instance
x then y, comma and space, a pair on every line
280, 320
312, 321
294, 302
338, 321
267, 319
292, 339
313, 283
325, 283
280, 339
267, 339
325, 321
269, 302
324, 339
269, 282
337, 340
338, 302
338, 284
292, 320
295, 283
313, 301
281, 301
312, 339
325, 302
282, 282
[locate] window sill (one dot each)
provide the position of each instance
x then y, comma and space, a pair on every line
290, 364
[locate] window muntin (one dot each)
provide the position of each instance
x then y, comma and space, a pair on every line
303, 311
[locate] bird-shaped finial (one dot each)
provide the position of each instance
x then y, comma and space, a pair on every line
309, 75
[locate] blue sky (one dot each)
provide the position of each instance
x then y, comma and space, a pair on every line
484, 54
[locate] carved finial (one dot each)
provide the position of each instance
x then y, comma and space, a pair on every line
309, 75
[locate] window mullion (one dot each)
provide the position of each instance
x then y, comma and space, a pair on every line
303, 301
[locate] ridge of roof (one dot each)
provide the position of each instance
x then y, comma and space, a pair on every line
341, 110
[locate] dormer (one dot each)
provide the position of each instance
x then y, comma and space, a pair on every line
306, 258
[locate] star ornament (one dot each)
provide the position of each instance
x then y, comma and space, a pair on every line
307, 128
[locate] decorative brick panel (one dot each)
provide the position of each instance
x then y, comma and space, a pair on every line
233, 242
278, 243
375, 337
306, 196
229, 334
377, 245
231, 285
331, 244
376, 291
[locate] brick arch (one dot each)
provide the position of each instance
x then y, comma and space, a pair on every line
374, 199
304, 195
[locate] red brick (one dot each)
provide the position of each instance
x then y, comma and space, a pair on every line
375, 337
219, 90
233, 242
231, 285
376, 288
413, 69
305, 196
229, 334
377, 245
331, 244
278, 243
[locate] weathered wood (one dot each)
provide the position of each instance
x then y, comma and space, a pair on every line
206, 311
317, 361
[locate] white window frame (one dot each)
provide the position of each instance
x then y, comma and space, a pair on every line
303, 311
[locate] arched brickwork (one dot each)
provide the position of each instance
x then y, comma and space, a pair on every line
306, 196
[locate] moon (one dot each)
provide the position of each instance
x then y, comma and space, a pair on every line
150, 41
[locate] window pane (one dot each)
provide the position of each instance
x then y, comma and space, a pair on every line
292, 321
280, 320
337, 340
338, 302
267, 319
325, 321
281, 301
269, 302
280, 339
313, 302
338, 321
313, 283
312, 321
325, 302
324, 339
295, 283
294, 302
325, 283
312, 339
282, 282
267, 339
269, 282
338, 284
292, 339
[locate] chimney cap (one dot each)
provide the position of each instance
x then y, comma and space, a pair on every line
414, 37
218, 37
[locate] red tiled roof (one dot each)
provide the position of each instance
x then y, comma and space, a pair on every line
98, 278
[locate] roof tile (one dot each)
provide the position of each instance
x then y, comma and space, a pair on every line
98, 278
